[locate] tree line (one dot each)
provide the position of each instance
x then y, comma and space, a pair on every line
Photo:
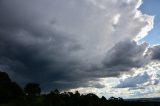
11, 94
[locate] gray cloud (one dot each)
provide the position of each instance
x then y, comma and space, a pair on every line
32, 50
154, 52
61, 44
139, 81
126, 55
134, 81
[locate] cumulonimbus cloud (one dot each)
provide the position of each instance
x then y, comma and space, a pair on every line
65, 44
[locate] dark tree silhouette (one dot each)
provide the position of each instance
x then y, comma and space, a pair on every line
103, 98
4, 78
113, 99
56, 91
32, 89
8, 90
77, 93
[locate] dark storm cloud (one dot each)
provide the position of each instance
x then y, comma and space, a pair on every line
32, 49
37, 62
154, 52
125, 56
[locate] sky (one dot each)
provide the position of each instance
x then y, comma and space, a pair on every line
106, 47
151, 7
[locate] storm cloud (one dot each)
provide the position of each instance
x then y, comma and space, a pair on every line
154, 52
126, 55
65, 44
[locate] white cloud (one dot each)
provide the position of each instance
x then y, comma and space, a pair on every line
149, 25
140, 83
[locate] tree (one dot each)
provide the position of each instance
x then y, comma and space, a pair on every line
8, 90
56, 91
77, 94
4, 78
103, 99
32, 89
